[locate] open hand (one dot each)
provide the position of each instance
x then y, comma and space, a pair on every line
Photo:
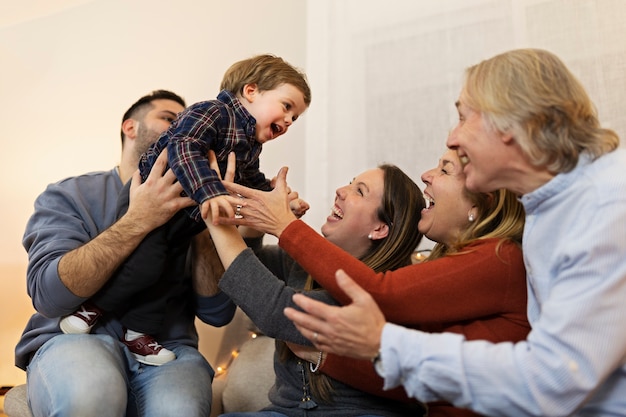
155, 201
352, 330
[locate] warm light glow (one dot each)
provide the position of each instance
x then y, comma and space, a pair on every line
420, 255
220, 370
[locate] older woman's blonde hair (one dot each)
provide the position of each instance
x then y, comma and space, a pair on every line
499, 215
531, 94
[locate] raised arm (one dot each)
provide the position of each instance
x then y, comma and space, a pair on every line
159, 195
68, 248
425, 294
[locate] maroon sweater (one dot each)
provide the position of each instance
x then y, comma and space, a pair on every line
480, 293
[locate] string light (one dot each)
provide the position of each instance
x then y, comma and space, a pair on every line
220, 370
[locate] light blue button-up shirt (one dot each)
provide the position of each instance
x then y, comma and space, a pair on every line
574, 360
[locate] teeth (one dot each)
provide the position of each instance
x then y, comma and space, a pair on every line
464, 159
337, 212
429, 202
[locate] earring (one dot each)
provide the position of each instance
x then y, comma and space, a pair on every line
369, 236
470, 217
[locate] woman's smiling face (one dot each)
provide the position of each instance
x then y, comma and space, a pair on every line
355, 213
448, 205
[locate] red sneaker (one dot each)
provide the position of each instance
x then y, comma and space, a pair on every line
147, 350
82, 320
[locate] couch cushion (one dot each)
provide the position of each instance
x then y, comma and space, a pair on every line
250, 376
16, 402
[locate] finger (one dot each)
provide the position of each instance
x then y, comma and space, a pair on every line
215, 211
170, 177
317, 309
306, 324
213, 163
227, 207
281, 178
314, 315
313, 336
301, 329
135, 181
159, 165
231, 202
299, 207
230, 221
239, 189
205, 210
183, 202
231, 165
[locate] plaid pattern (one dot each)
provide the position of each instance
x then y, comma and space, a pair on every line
222, 125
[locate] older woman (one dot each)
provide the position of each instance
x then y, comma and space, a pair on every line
473, 283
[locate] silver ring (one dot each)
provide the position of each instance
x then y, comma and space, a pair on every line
238, 210
315, 335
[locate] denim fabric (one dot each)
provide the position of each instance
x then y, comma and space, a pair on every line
267, 414
95, 375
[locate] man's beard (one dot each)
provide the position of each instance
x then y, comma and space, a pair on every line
145, 139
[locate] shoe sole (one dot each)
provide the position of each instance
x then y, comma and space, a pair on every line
153, 362
67, 328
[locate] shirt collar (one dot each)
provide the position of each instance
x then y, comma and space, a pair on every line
241, 113
556, 185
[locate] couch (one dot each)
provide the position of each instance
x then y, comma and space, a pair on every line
242, 386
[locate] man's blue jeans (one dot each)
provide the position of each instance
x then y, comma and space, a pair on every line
95, 375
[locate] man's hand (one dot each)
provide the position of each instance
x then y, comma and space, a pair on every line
155, 201
353, 330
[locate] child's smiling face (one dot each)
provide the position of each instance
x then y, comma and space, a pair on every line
274, 110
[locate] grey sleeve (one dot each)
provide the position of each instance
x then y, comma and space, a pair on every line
263, 297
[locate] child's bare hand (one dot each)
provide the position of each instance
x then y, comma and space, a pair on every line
220, 206
298, 206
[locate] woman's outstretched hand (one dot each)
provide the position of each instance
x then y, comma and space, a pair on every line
266, 211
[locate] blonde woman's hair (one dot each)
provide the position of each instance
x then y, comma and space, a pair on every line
531, 94
499, 214
267, 72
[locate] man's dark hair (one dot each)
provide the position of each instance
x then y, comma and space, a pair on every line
145, 103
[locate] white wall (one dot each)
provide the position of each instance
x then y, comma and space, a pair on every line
69, 70
388, 73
